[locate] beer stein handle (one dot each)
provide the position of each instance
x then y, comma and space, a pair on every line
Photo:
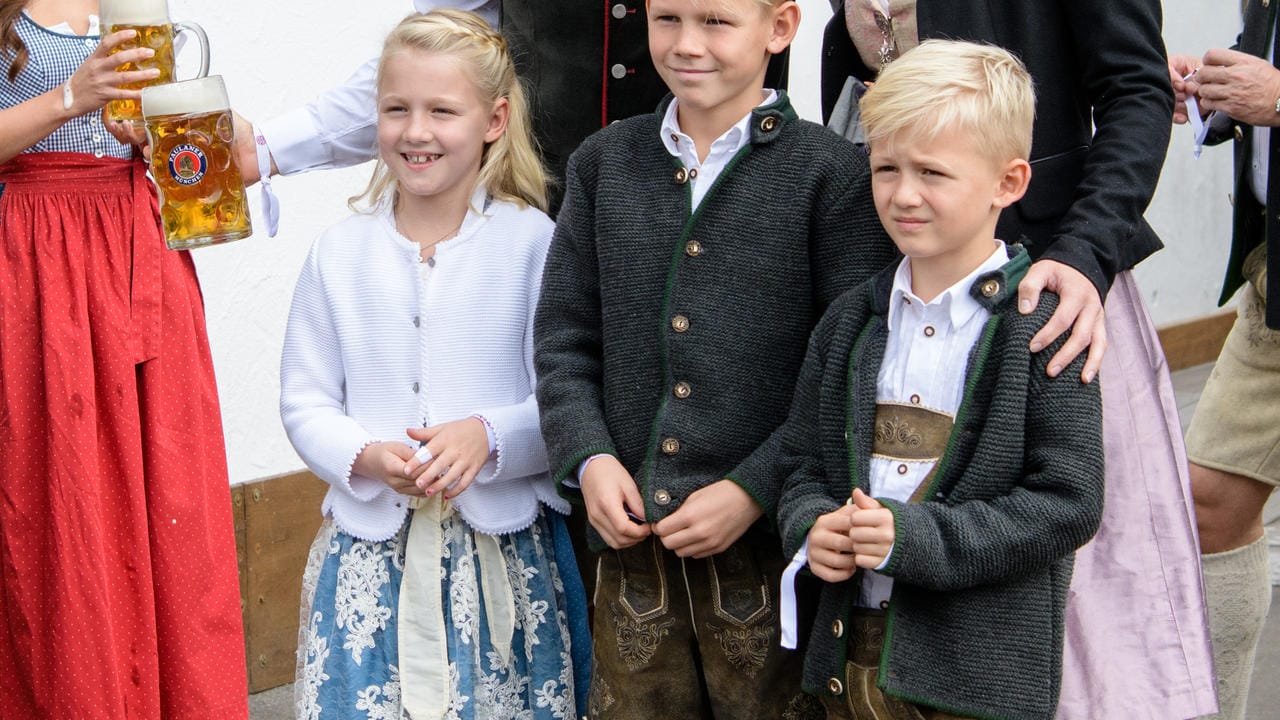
204, 44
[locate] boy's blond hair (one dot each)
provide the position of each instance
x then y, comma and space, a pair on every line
981, 90
510, 167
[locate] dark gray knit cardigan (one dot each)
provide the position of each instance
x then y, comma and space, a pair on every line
981, 567
672, 339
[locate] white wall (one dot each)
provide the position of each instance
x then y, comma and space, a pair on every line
278, 55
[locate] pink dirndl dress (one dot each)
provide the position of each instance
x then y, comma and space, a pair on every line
1137, 639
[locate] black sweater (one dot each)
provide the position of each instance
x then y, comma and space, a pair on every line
671, 339
981, 566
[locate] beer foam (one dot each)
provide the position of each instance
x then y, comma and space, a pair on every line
133, 12
189, 97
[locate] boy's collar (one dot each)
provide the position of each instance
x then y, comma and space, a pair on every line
993, 289
767, 121
957, 300
990, 289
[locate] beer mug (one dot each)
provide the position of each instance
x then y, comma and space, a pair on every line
150, 19
202, 196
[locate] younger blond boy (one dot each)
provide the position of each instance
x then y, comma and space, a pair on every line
696, 248
939, 481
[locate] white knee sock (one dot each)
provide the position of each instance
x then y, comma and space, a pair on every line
1238, 593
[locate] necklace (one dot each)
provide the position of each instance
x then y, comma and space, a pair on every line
426, 250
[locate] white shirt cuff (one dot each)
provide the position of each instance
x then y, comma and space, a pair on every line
787, 601
582, 467
294, 141
885, 562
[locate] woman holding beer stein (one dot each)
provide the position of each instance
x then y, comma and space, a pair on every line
118, 588
441, 583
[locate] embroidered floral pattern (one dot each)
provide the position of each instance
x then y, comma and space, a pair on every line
601, 696
804, 707
348, 667
638, 641
745, 647
381, 702
361, 575
312, 675
1259, 334
899, 432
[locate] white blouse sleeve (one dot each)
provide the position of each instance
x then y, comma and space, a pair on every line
312, 400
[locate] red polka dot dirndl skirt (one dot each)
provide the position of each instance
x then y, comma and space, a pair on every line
119, 595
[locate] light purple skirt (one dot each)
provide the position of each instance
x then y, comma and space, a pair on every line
1137, 640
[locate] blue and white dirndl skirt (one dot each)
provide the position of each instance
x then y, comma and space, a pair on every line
348, 654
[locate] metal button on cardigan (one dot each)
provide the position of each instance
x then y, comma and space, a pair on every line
619, 11
662, 497
837, 628
682, 390
693, 248
835, 687
618, 71
682, 176
671, 446
680, 323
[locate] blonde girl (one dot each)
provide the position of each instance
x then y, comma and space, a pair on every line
442, 583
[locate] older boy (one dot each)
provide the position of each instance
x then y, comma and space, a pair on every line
695, 250
944, 594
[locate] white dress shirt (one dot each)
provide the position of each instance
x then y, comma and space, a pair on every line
703, 174
925, 359
1260, 162
924, 364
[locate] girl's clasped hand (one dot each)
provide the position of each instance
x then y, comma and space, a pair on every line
449, 458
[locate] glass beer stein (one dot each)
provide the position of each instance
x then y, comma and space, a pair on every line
150, 18
202, 197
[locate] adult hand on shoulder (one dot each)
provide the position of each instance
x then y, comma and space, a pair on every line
1079, 310
458, 450
872, 531
709, 521
831, 555
96, 81
385, 461
1241, 85
1181, 66
609, 493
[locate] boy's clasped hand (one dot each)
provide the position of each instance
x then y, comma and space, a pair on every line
706, 523
858, 535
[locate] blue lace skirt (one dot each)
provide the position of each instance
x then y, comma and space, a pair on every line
347, 653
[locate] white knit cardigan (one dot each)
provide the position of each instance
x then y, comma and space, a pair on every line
379, 342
